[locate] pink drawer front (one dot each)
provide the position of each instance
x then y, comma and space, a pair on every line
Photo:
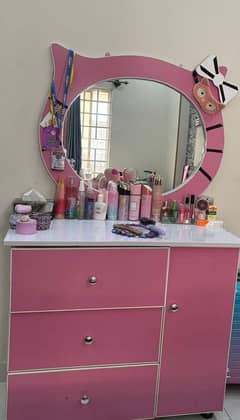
99, 394
80, 338
87, 278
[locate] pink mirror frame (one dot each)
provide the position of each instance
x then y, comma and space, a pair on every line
88, 71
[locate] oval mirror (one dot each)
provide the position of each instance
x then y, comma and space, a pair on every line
160, 125
134, 123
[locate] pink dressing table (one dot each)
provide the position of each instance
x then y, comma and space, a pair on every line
109, 327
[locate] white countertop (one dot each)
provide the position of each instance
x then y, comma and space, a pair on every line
98, 233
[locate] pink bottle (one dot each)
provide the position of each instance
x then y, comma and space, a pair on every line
135, 200
146, 201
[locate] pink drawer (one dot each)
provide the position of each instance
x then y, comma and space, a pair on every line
61, 278
99, 394
80, 338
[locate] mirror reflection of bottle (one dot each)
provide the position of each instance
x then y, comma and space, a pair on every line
135, 200
124, 193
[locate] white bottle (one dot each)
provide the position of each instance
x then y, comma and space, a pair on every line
100, 208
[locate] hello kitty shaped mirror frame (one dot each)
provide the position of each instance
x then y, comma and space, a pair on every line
89, 71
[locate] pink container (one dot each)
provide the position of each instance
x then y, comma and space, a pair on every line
26, 228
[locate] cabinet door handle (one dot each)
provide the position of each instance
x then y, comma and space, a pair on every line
92, 280
85, 400
174, 307
88, 339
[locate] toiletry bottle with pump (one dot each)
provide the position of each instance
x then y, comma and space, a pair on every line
124, 193
59, 209
146, 201
135, 200
156, 198
71, 199
80, 205
112, 210
100, 208
187, 213
89, 202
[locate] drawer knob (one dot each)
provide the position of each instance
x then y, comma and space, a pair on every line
85, 400
92, 280
174, 307
88, 339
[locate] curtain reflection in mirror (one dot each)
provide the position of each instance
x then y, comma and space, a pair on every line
72, 136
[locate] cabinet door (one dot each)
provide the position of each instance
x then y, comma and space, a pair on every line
197, 332
94, 394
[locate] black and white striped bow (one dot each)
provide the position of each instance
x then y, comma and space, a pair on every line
209, 69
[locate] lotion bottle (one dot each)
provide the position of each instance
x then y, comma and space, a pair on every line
100, 208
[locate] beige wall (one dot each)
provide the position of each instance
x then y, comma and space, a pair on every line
181, 31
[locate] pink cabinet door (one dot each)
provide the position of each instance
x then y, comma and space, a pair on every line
80, 338
96, 394
52, 279
196, 333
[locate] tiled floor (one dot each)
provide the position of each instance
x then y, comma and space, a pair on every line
231, 412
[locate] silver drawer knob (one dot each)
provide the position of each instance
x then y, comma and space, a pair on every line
88, 339
85, 400
174, 307
92, 280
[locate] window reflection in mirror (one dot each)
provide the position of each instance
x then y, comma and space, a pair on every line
135, 123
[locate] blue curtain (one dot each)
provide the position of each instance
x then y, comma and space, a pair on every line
73, 135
